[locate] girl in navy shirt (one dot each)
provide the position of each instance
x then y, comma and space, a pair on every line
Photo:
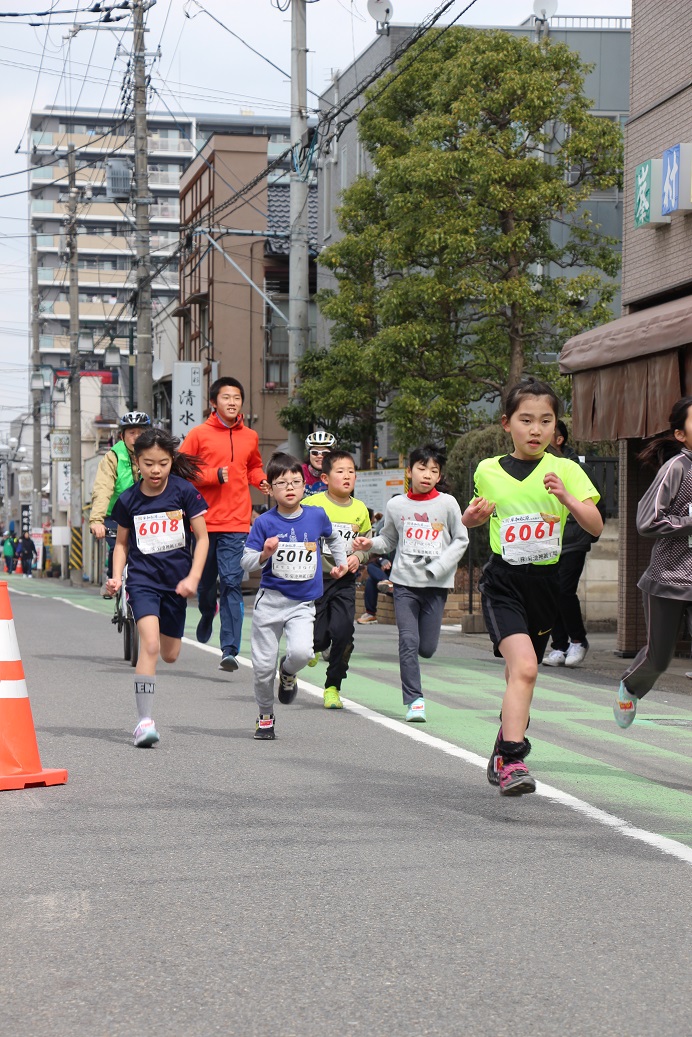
155, 518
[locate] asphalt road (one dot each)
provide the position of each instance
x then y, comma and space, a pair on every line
348, 878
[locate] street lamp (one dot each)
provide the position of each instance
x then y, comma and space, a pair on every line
10, 453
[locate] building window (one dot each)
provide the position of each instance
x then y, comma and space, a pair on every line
343, 163
327, 170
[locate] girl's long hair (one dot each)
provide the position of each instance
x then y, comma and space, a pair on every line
664, 446
184, 465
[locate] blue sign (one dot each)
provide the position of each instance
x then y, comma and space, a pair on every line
670, 193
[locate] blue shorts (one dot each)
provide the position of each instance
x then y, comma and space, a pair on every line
167, 605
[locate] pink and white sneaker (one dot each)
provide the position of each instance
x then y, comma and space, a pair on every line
145, 734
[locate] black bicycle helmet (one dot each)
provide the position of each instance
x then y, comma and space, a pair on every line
135, 419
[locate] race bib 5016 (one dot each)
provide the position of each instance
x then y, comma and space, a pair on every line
530, 538
293, 561
162, 531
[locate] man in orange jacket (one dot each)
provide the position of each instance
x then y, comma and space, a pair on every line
232, 463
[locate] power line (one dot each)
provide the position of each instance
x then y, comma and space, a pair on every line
244, 42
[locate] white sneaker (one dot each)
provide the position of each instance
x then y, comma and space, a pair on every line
576, 654
145, 733
555, 658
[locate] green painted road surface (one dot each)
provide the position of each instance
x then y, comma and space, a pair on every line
643, 775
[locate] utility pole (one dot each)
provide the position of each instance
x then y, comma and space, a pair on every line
298, 265
75, 563
36, 393
145, 353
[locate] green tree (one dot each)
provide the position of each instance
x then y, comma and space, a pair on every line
470, 249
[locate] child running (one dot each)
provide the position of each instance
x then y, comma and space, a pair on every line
425, 530
285, 544
154, 521
335, 610
527, 495
664, 512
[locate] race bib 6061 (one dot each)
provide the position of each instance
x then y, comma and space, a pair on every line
162, 531
530, 538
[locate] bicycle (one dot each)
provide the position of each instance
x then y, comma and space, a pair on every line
123, 618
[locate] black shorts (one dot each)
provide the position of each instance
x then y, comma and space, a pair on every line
519, 599
167, 605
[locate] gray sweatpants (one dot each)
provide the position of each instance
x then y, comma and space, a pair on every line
663, 617
418, 613
274, 614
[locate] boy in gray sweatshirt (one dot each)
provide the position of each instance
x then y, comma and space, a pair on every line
425, 530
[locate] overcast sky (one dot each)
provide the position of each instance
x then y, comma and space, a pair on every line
201, 69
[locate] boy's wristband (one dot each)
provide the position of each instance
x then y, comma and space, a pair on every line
219, 473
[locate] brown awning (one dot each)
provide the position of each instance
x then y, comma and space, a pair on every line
654, 330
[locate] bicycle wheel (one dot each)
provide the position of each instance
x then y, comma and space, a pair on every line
127, 640
134, 640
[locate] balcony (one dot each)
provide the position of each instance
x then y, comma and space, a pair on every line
95, 311
60, 275
51, 174
84, 141
164, 178
95, 210
169, 145
61, 344
169, 210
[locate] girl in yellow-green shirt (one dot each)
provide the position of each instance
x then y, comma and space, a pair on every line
527, 495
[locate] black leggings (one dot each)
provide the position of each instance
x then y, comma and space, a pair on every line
663, 617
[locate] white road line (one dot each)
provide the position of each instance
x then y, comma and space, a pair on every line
601, 817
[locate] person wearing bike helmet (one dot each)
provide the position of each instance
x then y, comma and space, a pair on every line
116, 472
317, 444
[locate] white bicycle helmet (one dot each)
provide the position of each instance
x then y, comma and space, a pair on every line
320, 438
135, 419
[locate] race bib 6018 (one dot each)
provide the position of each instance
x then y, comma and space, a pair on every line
162, 531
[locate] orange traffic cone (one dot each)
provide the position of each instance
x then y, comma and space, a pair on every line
20, 763
18, 567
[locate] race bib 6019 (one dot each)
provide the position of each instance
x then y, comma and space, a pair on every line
422, 538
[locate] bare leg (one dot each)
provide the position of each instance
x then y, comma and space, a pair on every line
521, 671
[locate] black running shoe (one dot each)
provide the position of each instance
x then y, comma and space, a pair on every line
495, 762
288, 685
264, 728
204, 627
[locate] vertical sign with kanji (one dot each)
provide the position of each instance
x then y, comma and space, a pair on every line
642, 195
670, 190
187, 402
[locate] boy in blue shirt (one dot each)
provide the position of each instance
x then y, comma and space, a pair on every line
285, 544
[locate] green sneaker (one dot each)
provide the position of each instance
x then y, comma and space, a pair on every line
624, 707
332, 699
416, 712
314, 661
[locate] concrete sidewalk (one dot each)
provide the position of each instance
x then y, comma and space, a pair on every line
602, 663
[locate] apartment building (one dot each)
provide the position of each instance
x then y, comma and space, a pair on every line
106, 257
234, 295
